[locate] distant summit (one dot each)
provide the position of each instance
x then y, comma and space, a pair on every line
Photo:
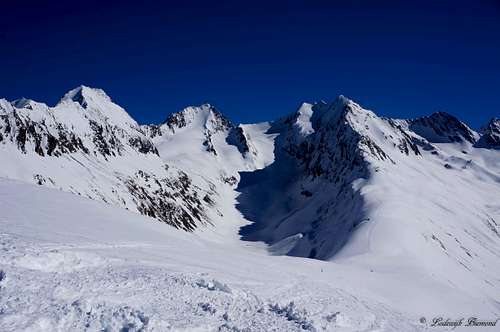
490, 135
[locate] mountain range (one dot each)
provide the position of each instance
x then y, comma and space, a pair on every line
330, 181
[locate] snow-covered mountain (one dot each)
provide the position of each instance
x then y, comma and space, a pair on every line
90, 146
327, 155
490, 135
331, 181
177, 171
349, 185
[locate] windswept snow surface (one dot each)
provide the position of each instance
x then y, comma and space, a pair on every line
69, 263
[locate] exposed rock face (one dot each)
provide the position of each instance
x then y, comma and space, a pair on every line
441, 127
44, 137
84, 120
490, 135
238, 138
174, 200
206, 116
105, 155
212, 120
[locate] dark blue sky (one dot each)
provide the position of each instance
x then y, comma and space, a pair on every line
258, 60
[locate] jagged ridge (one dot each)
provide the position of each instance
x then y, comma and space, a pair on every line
88, 131
338, 142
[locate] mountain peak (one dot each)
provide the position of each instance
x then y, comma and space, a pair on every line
84, 94
443, 116
337, 105
330, 113
490, 137
442, 127
493, 124
341, 100
97, 104
28, 103
205, 115
21, 103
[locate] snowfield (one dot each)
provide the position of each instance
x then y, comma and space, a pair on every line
329, 219
76, 264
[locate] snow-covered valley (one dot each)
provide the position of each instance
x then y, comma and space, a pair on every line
331, 218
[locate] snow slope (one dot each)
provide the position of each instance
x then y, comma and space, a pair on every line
96, 267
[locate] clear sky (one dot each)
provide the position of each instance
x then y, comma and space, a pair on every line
257, 60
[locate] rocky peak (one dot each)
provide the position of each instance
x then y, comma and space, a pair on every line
23, 103
310, 118
217, 121
492, 126
441, 127
84, 95
85, 120
325, 113
95, 105
490, 135
341, 112
206, 116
